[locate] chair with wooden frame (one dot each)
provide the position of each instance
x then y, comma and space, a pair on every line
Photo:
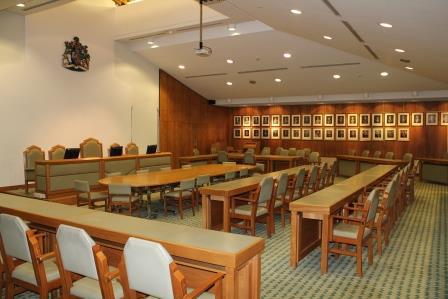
131, 149
410, 186
265, 151
377, 154
310, 184
26, 266
147, 268
389, 155
292, 151
354, 231
75, 253
278, 150
57, 152
281, 203
352, 152
91, 148
284, 152
201, 181
185, 191
2, 273
332, 173
295, 189
365, 153
258, 206
314, 158
249, 158
85, 197
222, 157
32, 154
121, 196
196, 152
322, 177
111, 146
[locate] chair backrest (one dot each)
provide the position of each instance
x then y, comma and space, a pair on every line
313, 157
352, 152
13, 232
278, 150
323, 175
391, 191
186, 166
230, 175
266, 185
300, 179
284, 152
407, 157
313, 175
31, 155
266, 151
148, 268
307, 151
377, 154
187, 184
91, 147
222, 157
282, 184
292, 151
203, 180
373, 197
119, 189
56, 152
300, 153
196, 152
250, 151
389, 155
131, 149
249, 158
81, 186
259, 167
365, 153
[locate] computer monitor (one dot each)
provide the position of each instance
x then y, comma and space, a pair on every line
151, 149
71, 153
116, 151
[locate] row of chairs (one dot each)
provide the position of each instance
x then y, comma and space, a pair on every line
80, 268
378, 154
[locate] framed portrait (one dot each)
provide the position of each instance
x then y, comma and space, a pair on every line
364, 120
432, 118
329, 133
340, 134
352, 134
265, 133
390, 134
256, 120
286, 133
237, 133
286, 120
352, 120
329, 120
265, 120
275, 133
237, 120
275, 120
306, 134
403, 119
377, 120
256, 133
340, 120
365, 134
295, 120
377, 134
403, 134
444, 118
306, 120
417, 119
246, 121
295, 133
317, 120
317, 134
246, 133
389, 119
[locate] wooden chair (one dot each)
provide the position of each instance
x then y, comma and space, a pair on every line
332, 173
91, 147
278, 150
259, 206
85, 197
377, 154
146, 267
196, 152
121, 196
249, 158
185, 191
389, 155
322, 177
284, 152
111, 146
222, 157
295, 189
314, 158
265, 151
32, 154
310, 185
354, 231
292, 151
365, 153
77, 264
131, 149
201, 181
281, 203
56, 152
26, 266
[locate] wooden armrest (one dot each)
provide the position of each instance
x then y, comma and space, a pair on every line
41, 235
242, 198
346, 218
354, 209
112, 274
198, 291
46, 256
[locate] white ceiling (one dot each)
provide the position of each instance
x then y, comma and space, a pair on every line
31, 6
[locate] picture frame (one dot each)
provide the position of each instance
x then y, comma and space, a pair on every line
295, 133
340, 120
246, 133
377, 134
389, 119
237, 133
329, 134
295, 120
365, 134
364, 120
352, 120
317, 120
246, 121
340, 133
286, 133
286, 120
275, 133
329, 120
255, 133
432, 118
403, 119
403, 134
417, 119
390, 134
275, 120
237, 120
352, 134
444, 118
265, 133
306, 134
317, 134
377, 119
256, 120
265, 120
306, 120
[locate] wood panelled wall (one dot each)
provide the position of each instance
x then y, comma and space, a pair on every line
425, 141
188, 121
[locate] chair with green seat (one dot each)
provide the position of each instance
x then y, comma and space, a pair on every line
57, 152
295, 189
85, 197
284, 152
250, 150
222, 157
265, 151
352, 152
408, 157
292, 151
121, 196
244, 173
131, 149
311, 181
377, 154
201, 181
332, 174
278, 150
314, 158
185, 191
196, 152
307, 152
249, 158
322, 176
365, 153
281, 203
32, 154
389, 155
91, 148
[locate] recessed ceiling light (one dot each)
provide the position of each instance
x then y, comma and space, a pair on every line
235, 34
409, 68
384, 74
150, 42
154, 46
229, 83
385, 25
278, 80
229, 61
181, 66
287, 55
327, 37
231, 27
336, 76
400, 50
20, 4
296, 11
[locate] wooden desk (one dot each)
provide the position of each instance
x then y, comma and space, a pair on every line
269, 160
197, 160
434, 170
349, 165
196, 250
216, 198
307, 211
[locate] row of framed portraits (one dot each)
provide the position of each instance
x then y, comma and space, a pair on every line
340, 134
341, 120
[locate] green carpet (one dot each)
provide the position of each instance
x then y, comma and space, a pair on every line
414, 265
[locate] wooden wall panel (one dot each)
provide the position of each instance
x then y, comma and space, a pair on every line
188, 121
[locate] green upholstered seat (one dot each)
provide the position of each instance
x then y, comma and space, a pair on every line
91, 148
389, 155
377, 154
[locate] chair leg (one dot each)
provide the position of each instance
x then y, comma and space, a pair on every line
9, 289
359, 260
379, 241
282, 213
26, 186
370, 250
193, 203
164, 206
269, 222
252, 227
181, 208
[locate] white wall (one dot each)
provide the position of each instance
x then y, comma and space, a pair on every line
44, 104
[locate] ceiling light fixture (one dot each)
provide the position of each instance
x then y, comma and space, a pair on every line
231, 27
384, 74
150, 42
229, 83
154, 46
328, 37
229, 61
296, 11
20, 4
235, 34
287, 55
278, 80
400, 50
385, 25
181, 66
336, 76
409, 68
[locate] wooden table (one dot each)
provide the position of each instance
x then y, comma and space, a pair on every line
309, 210
434, 170
196, 250
349, 165
197, 160
216, 198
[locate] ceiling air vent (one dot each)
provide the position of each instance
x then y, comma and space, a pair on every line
206, 75
263, 70
329, 65
331, 7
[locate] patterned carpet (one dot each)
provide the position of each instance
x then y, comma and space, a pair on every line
414, 265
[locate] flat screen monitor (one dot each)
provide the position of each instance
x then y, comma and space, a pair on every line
116, 151
71, 153
151, 149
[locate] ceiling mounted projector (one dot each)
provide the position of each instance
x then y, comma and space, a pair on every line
202, 51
